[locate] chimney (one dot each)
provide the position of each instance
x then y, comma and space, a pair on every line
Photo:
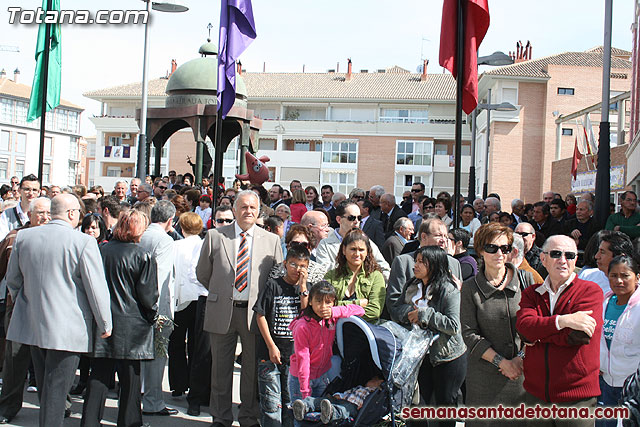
16, 73
348, 76
174, 66
3, 74
423, 77
523, 52
338, 67
239, 67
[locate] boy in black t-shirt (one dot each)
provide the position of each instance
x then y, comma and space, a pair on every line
278, 304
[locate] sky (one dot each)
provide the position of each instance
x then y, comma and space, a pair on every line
316, 34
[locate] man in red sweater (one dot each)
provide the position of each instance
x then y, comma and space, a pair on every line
560, 320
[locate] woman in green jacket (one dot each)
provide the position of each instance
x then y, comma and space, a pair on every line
357, 278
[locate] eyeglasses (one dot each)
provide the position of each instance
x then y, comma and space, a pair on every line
490, 248
223, 220
406, 197
296, 266
299, 244
415, 190
164, 188
322, 226
558, 254
75, 209
429, 207
43, 213
353, 217
523, 233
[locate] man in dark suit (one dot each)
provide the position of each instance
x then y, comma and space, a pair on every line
375, 193
403, 230
543, 223
234, 265
583, 226
275, 196
417, 191
371, 226
390, 213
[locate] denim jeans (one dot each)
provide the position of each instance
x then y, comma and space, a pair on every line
342, 409
609, 397
275, 405
318, 386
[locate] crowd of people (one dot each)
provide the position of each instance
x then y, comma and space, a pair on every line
537, 305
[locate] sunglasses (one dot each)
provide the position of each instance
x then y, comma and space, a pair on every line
558, 254
490, 248
164, 188
354, 217
415, 190
299, 244
523, 233
429, 207
223, 220
93, 214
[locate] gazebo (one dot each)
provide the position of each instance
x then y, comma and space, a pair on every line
192, 102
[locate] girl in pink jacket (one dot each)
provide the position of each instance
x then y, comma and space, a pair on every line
313, 334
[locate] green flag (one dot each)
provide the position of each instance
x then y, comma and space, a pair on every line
54, 68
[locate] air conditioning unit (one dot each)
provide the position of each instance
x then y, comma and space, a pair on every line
125, 136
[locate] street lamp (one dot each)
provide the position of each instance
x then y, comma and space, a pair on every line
504, 106
496, 59
161, 6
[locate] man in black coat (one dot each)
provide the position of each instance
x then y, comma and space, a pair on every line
543, 223
390, 213
371, 226
583, 226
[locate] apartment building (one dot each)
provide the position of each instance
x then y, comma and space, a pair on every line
20, 140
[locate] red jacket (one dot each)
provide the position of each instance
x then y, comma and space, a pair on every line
554, 369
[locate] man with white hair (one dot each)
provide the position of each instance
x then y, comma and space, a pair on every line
561, 320
120, 191
390, 213
517, 210
548, 196
478, 206
375, 193
61, 300
491, 205
516, 257
583, 226
144, 191
132, 192
318, 225
17, 357
531, 251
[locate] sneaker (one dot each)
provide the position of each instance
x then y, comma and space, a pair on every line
326, 411
299, 410
32, 389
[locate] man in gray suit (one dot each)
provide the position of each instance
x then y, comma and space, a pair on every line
157, 242
432, 232
234, 265
403, 230
57, 282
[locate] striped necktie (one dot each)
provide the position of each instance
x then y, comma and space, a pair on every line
242, 263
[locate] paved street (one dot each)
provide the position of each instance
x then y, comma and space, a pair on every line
28, 416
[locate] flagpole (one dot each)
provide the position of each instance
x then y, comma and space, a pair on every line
458, 144
217, 162
603, 178
43, 117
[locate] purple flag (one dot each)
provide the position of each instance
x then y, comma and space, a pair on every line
237, 31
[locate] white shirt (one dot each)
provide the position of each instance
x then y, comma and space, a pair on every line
417, 299
553, 296
597, 276
5, 227
205, 214
244, 295
188, 288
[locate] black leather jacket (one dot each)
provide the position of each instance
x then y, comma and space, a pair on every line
132, 280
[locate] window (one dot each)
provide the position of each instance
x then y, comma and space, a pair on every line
441, 149
510, 95
295, 113
61, 120
353, 114
4, 164
339, 152
21, 143
21, 113
19, 172
6, 110
414, 153
49, 125
91, 149
73, 148
466, 150
405, 182
301, 146
113, 171
566, 91
115, 141
567, 132
72, 125
46, 173
73, 169
5, 137
342, 182
404, 116
48, 145
267, 144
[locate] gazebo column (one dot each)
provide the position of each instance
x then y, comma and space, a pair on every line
199, 158
245, 142
158, 158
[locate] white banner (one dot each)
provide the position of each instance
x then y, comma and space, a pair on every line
586, 181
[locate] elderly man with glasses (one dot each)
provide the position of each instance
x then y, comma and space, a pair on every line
531, 251
627, 220
560, 321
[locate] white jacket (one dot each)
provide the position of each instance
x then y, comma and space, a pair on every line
187, 287
623, 357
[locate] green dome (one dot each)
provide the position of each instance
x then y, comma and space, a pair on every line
197, 74
208, 48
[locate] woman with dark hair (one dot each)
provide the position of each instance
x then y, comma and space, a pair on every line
620, 341
298, 206
97, 190
528, 212
468, 221
488, 309
357, 277
132, 281
442, 208
93, 225
312, 198
431, 300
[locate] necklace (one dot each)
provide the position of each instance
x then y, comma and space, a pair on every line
504, 279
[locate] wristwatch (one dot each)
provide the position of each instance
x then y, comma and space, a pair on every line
304, 293
496, 360
521, 354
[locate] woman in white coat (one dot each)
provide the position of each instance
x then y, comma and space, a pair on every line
620, 342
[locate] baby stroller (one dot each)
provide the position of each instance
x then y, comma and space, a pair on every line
368, 350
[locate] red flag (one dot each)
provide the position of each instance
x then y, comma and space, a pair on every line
475, 28
577, 156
